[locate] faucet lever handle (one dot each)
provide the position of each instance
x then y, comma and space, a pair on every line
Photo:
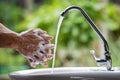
93, 53
99, 62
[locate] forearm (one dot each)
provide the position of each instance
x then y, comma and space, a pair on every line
8, 40
4, 29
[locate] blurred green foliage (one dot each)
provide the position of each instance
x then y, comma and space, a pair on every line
10, 15
75, 30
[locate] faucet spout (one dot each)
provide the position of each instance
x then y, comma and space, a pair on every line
107, 60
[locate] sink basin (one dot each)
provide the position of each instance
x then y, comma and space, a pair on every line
67, 73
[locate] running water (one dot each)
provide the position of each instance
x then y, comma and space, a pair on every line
56, 40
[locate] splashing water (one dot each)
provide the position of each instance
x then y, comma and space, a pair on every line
56, 40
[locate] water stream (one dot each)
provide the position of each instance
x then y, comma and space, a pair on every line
56, 41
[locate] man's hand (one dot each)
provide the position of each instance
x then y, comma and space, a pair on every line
35, 46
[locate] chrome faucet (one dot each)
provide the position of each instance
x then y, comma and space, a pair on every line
107, 61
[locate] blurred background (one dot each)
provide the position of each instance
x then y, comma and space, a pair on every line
76, 38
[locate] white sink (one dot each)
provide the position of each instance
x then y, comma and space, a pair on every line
67, 73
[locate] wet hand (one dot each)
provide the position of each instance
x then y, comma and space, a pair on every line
35, 46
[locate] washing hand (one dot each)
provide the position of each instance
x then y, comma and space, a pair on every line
35, 46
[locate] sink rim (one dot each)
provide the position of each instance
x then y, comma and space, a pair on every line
67, 70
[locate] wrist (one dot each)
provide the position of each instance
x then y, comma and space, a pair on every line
16, 41
8, 40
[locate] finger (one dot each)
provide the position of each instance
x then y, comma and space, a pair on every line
49, 56
47, 50
41, 38
44, 63
42, 59
43, 52
31, 62
47, 41
47, 37
37, 35
35, 60
41, 55
49, 46
43, 48
39, 31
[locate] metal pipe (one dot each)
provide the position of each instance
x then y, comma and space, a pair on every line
93, 26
